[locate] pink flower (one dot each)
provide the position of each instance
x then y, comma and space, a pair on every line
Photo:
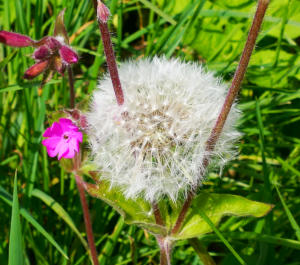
63, 139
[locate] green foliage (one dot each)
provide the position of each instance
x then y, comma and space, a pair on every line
214, 206
15, 239
212, 32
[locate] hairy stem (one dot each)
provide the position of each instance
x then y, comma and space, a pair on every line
80, 184
165, 250
87, 219
102, 17
230, 98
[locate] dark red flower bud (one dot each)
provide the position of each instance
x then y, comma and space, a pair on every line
36, 69
53, 44
15, 39
102, 12
68, 55
41, 53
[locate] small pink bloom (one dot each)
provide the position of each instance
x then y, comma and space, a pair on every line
15, 39
63, 139
68, 55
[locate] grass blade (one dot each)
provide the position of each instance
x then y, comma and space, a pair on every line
6, 197
60, 211
289, 214
15, 238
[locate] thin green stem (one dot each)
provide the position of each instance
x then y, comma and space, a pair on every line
72, 91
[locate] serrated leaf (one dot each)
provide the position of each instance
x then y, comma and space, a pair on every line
216, 206
137, 211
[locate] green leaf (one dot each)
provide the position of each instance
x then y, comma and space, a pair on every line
215, 206
60, 211
137, 211
15, 238
5, 196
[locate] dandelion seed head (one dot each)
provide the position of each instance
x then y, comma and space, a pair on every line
153, 145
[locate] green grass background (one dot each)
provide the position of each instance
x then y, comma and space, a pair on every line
208, 31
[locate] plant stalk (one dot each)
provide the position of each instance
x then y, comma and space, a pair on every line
102, 17
87, 219
230, 98
157, 214
80, 184
165, 250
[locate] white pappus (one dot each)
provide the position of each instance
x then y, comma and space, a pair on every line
153, 145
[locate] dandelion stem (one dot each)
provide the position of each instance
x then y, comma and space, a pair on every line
157, 214
231, 96
165, 250
87, 219
102, 17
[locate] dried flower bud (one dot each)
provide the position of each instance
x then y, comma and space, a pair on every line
15, 39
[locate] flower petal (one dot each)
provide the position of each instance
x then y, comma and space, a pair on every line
36, 69
54, 130
15, 39
63, 149
68, 55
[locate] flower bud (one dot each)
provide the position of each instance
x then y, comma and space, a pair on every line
36, 69
68, 55
102, 12
15, 39
41, 53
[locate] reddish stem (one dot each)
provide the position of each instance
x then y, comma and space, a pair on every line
102, 16
157, 214
87, 219
165, 250
231, 96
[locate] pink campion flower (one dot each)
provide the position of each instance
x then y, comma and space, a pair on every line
63, 139
52, 53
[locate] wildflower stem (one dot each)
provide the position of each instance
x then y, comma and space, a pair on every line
87, 219
102, 17
165, 250
230, 98
71, 83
